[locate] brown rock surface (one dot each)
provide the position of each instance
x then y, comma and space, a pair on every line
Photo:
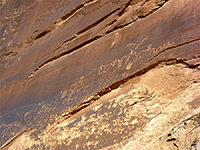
100, 74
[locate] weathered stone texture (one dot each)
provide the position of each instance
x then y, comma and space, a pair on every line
100, 74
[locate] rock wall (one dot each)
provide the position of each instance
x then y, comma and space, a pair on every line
100, 74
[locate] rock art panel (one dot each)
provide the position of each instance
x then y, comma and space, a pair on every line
113, 74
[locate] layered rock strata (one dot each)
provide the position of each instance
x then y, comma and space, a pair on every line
100, 74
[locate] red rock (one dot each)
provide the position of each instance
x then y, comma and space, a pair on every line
58, 58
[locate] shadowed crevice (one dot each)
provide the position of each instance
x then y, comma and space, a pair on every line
175, 46
63, 19
117, 84
87, 42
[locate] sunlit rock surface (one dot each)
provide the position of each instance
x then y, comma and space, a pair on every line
100, 74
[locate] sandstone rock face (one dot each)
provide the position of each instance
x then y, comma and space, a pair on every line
100, 74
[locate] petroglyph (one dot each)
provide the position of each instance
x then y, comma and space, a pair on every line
127, 60
100, 121
76, 87
134, 55
86, 50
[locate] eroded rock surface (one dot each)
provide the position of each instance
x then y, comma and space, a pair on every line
100, 74
143, 113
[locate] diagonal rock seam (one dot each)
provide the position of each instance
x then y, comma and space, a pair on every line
13, 138
112, 22
85, 43
88, 28
57, 23
72, 13
63, 19
175, 46
137, 74
117, 84
175, 56
91, 26
69, 15
61, 55
110, 88
138, 17
92, 40
123, 10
